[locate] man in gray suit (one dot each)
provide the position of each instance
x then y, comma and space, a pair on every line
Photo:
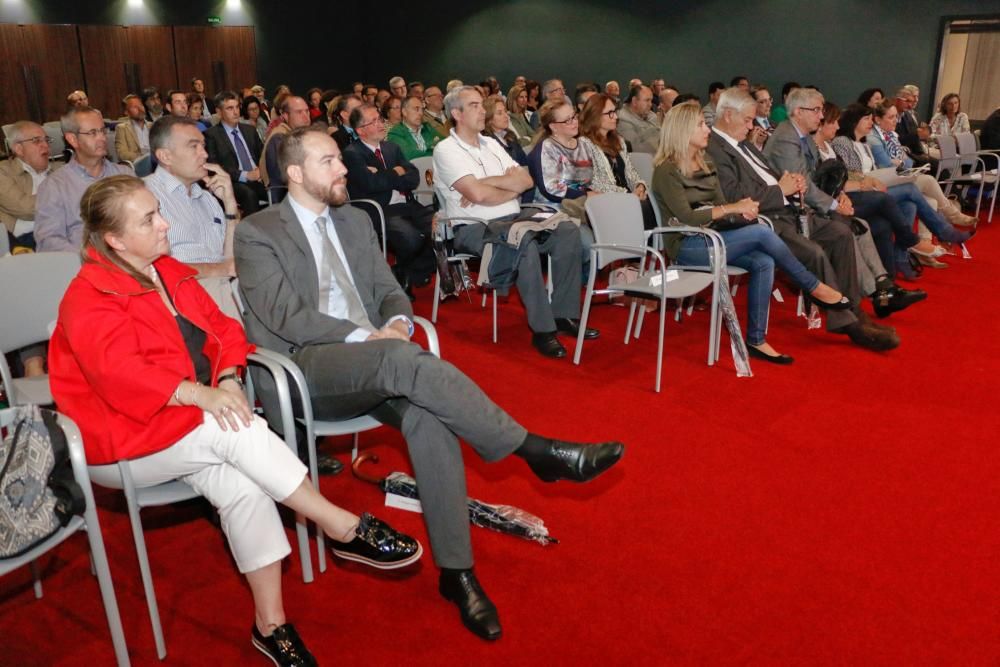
316, 288
828, 252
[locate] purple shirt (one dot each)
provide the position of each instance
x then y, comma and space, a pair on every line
58, 226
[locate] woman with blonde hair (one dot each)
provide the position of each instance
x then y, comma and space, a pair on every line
686, 187
520, 114
150, 369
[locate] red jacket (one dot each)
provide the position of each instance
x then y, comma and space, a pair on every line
117, 356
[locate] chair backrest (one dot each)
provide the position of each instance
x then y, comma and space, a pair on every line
28, 312
7, 129
377, 215
144, 166
424, 193
643, 163
4, 243
54, 130
616, 217
112, 149
949, 152
966, 146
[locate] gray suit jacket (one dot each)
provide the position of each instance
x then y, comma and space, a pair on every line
785, 153
739, 180
280, 286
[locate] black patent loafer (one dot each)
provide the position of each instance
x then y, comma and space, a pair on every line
378, 545
548, 345
574, 461
327, 465
284, 647
478, 612
565, 325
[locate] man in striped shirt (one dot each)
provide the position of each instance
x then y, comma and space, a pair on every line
201, 229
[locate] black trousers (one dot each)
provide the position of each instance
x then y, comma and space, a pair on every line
408, 226
249, 195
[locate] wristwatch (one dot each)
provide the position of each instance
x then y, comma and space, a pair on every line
235, 377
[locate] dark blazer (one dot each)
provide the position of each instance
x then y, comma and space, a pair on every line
785, 152
220, 148
906, 128
363, 184
280, 286
739, 180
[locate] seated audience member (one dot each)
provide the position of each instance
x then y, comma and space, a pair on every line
708, 111
416, 88
498, 126
612, 89
492, 86
522, 119
560, 163
762, 96
132, 133
989, 134
397, 86
77, 100
908, 130
871, 97
313, 97
887, 152
434, 110
381, 97
350, 333
828, 251
686, 97
665, 100
452, 83
392, 112
553, 90
325, 102
150, 99
412, 134
584, 91
257, 91
176, 103
686, 187
852, 148
779, 112
251, 114
520, 80
949, 119
534, 91
637, 124
20, 177
377, 169
207, 106
167, 396
613, 170
293, 113
343, 133
236, 148
657, 86
58, 226
201, 230
632, 83
475, 177
195, 108
740, 81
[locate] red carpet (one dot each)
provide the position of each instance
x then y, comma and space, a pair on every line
841, 511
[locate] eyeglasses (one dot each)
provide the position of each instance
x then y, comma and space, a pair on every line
93, 133
36, 141
813, 109
611, 114
571, 119
371, 122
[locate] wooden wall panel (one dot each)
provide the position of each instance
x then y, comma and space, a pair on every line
106, 51
198, 48
55, 49
13, 101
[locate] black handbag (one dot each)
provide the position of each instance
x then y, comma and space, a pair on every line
830, 176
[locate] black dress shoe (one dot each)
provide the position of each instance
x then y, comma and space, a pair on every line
479, 614
870, 338
565, 325
378, 545
284, 647
574, 461
327, 465
780, 359
548, 345
843, 304
895, 299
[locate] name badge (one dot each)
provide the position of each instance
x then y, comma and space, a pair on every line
217, 221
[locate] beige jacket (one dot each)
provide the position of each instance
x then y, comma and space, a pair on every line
126, 142
16, 200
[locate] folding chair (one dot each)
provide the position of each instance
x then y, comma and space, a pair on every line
973, 164
89, 523
425, 191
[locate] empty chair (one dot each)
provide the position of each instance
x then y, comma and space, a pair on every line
143, 166
54, 130
973, 169
616, 219
89, 523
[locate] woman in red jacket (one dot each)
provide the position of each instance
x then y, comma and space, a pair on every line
147, 365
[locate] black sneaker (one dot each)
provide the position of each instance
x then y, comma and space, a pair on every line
284, 647
378, 545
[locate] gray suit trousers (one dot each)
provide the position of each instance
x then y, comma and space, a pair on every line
564, 245
431, 402
829, 253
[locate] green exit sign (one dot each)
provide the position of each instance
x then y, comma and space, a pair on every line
214, 20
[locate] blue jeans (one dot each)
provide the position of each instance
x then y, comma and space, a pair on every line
912, 202
757, 249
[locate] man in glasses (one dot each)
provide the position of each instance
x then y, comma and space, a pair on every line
20, 177
637, 123
58, 226
434, 110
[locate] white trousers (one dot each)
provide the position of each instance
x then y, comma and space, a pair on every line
242, 473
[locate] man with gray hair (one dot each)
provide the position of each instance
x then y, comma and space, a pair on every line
20, 177
829, 250
475, 177
911, 135
613, 89
553, 90
397, 86
57, 222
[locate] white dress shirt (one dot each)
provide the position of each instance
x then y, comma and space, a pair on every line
761, 169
